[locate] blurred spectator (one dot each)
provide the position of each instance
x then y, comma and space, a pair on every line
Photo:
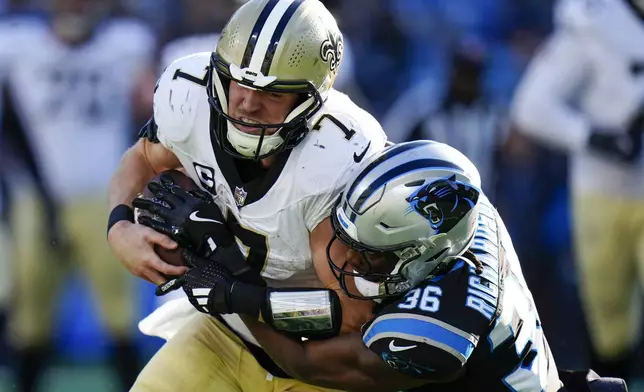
5, 267
584, 94
380, 52
70, 81
462, 118
198, 29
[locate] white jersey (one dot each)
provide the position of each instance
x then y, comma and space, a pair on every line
279, 210
74, 101
590, 73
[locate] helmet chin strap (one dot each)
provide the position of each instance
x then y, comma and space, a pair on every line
367, 288
247, 144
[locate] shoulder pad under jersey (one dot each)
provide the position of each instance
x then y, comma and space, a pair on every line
342, 135
415, 336
180, 92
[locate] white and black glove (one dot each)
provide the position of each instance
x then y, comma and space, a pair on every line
310, 312
212, 289
196, 223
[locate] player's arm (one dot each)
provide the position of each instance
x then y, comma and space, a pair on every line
152, 153
139, 164
355, 312
134, 244
541, 107
343, 362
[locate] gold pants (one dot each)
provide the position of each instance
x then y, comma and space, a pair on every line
39, 271
609, 242
206, 356
6, 265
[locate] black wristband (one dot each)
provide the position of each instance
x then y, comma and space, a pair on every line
121, 212
248, 299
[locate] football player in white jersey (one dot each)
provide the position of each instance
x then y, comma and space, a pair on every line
584, 93
71, 77
258, 125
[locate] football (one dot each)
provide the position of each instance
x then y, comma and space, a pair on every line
174, 256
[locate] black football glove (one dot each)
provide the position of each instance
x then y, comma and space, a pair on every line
212, 289
191, 218
621, 147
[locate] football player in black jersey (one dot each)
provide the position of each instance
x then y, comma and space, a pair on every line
453, 310
453, 306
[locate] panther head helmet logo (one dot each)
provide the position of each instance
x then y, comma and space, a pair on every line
443, 202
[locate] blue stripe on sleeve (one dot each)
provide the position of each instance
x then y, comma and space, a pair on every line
423, 330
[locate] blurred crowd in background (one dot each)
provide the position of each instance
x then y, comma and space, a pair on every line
433, 69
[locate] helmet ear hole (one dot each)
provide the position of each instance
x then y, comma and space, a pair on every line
386, 226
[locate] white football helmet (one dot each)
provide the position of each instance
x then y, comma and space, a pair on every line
415, 201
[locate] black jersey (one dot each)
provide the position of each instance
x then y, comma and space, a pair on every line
484, 326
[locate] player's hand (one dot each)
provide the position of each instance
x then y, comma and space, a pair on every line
134, 244
622, 147
230, 258
212, 289
191, 218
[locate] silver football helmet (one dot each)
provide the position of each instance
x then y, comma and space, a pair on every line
418, 204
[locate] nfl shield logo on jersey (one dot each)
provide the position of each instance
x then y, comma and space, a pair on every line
240, 196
